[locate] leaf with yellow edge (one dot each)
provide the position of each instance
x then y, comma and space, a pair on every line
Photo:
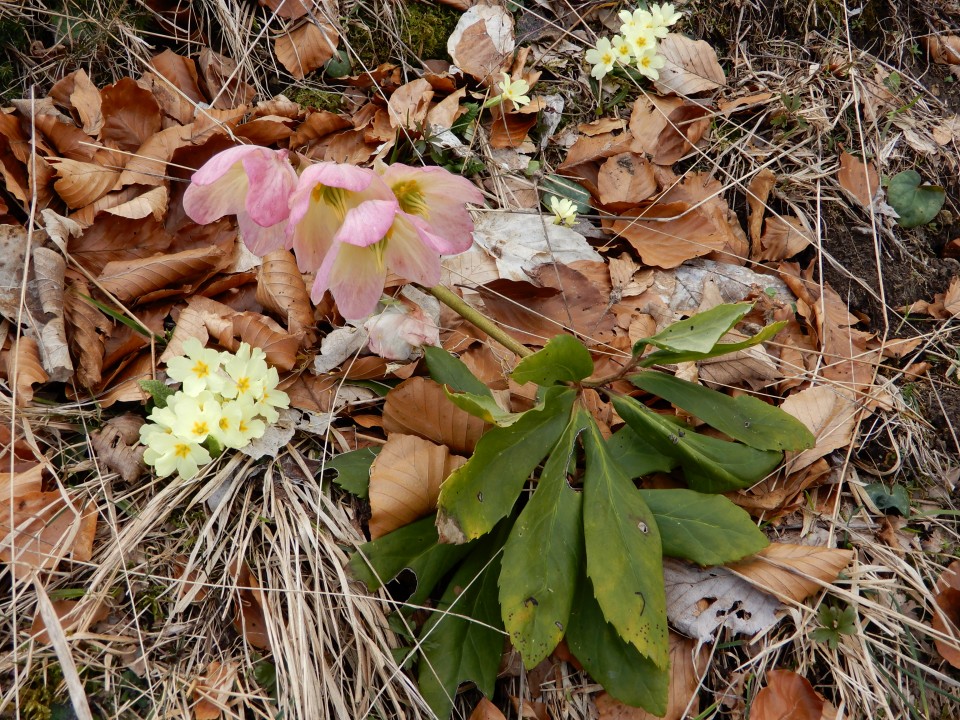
793, 572
405, 481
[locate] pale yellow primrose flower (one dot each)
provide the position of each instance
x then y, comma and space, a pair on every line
198, 370
167, 453
271, 398
239, 424
602, 57
564, 211
634, 21
622, 50
194, 417
649, 64
642, 40
514, 90
246, 370
664, 16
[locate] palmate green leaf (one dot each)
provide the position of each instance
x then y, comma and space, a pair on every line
635, 456
624, 555
562, 359
484, 407
624, 672
916, 204
414, 547
484, 490
544, 554
744, 418
709, 465
698, 333
452, 372
353, 469
670, 357
463, 639
707, 529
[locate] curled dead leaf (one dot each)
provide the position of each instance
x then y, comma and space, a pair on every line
72, 614
249, 619
23, 369
117, 446
668, 234
787, 696
259, 331
306, 48
224, 82
624, 180
858, 178
280, 288
793, 572
943, 49
405, 481
134, 280
213, 693
131, 115
757, 193
409, 103
81, 183
482, 42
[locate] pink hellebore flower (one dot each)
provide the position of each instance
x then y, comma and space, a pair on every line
252, 182
396, 331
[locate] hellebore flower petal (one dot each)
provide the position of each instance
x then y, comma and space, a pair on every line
408, 256
354, 276
437, 196
367, 223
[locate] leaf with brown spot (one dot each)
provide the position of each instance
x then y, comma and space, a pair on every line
45, 528
131, 115
793, 572
419, 406
131, 280
787, 696
691, 66
81, 183
946, 619
405, 481
281, 289
858, 178
306, 48
23, 369
626, 179
213, 693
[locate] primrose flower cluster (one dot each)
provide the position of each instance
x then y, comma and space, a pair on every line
637, 42
347, 224
225, 401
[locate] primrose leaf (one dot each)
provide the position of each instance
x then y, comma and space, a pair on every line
484, 407
563, 359
624, 672
463, 640
159, 392
670, 357
624, 555
916, 204
707, 529
543, 556
414, 547
698, 333
452, 372
483, 491
635, 456
744, 418
353, 469
709, 465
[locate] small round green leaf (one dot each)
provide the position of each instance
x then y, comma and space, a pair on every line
916, 204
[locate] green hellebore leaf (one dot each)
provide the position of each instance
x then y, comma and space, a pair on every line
483, 407
670, 357
484, 490
563, 359
463, 639
709, 465
353, 469
698, 333
892, 498
916, 204
339, 65
635, 456
624, 555
414, 547
564, 188
543, 555
707, 529
452, 372
624, 672
744, 418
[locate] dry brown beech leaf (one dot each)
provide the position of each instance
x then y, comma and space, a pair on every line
130, 280
482, 42
68, 140
405, 481
757, 193
509, 130
830, 412
783, 237
691, 66
178, 85
27, 477
944, 49
306, 48
223, 82
626, 179
409, 103
23, 369
123, 383
81, 183
117, 239
148, 165
668, 234
858, 178
259, 331
117, 447
152, 202
946, 619
280, 289
45, 528
787, 696
793, 572
485, 710
249, 619
419, 406
312, 392
131, 115
213, 693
